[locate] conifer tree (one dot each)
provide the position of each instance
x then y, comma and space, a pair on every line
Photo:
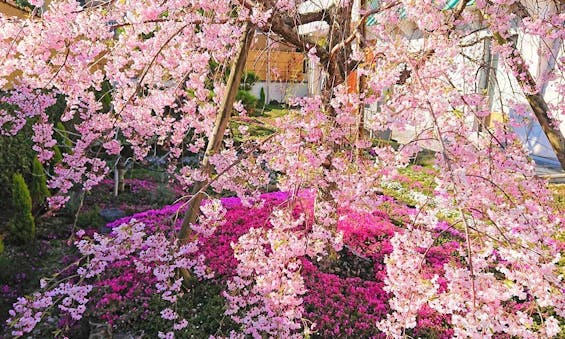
22, 225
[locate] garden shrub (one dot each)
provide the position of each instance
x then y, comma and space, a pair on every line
38, 187
248, 80
55, 111
262, 98
203, 307
62, 137
90, 219
8, 271
248, 100
162, 195
73, 204
24, 5
104, 95
16, 157
22, 224
57, 156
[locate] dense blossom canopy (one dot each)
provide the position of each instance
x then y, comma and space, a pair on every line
163, 64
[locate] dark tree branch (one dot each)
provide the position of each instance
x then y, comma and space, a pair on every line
306, 18
289, 32
536, 100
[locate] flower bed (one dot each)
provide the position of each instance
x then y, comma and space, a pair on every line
338, 304
257, 270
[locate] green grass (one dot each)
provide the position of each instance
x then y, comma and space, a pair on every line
139, 172
260, 125
412, 185
559, 195
425, 158
276, 112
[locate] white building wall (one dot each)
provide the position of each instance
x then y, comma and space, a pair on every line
281, 91
508, 90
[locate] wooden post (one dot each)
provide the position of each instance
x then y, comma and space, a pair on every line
215, 139
361, 79
121, 176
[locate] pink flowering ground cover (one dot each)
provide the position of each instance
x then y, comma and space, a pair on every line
337, 301
133, 286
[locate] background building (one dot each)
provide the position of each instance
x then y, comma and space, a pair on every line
281, 71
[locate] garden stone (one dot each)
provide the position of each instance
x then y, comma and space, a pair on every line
156, 161
111, 214
127, 336
104, 229
100, 331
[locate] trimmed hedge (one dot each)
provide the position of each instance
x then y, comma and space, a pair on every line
16, 157
22, 224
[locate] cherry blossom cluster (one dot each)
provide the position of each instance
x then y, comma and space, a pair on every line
165, 65
265, 296
212, 217
154, 256
171, 48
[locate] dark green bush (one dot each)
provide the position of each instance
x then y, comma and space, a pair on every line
16, 156
22, 224
57, 157
203, 306
262, 98
24, 4
16, 153
73, 204
38, 187
56, 111
7, 272
248, 100
162, 196
248, 79
61, 135
90, 219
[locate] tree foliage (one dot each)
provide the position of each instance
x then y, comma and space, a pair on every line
414, 68
38, 186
